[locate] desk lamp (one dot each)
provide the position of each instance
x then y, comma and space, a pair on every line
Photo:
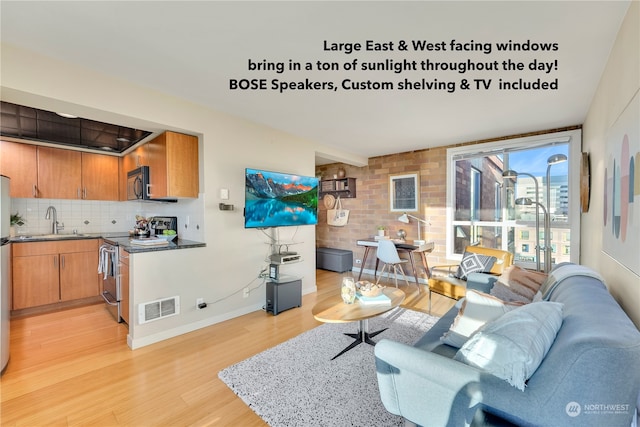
405, 219
525, 201
511, 174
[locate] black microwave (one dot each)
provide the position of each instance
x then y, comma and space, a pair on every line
139, 186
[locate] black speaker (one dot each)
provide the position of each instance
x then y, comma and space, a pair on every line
282, 296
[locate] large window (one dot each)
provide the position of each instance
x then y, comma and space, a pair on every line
487, 209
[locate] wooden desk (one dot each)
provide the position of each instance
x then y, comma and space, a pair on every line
401, 246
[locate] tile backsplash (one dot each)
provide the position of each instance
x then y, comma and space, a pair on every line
92, 216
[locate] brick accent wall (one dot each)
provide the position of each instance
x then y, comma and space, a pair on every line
371, 207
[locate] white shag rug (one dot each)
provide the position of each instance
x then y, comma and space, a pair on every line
297, 384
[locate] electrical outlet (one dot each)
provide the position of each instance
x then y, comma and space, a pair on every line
245, 293
198, 302
358, 261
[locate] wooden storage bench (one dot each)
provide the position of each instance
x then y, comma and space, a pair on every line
339, 260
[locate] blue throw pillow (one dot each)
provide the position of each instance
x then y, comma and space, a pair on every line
474, 263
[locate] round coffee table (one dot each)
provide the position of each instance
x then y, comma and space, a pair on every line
334, 310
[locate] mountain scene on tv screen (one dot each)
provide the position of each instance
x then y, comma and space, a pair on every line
274, 199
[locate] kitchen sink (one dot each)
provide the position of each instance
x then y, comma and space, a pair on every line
50, 236
61, 235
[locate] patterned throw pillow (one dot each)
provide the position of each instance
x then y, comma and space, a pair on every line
474, 263
518, 284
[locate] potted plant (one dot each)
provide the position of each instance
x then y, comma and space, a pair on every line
381, 230
16, 219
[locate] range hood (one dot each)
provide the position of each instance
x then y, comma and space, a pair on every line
29, 123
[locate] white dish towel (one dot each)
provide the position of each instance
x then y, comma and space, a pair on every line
103, 261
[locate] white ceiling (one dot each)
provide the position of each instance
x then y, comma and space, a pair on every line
193, 49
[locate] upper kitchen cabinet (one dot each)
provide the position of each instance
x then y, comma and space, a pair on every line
19, 162
136, 158
59, 173
99, 177
68, 174
173, 166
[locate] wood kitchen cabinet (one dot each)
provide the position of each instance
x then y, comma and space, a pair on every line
78, 274
59, 173
68, 174
99, 177
55, 271
173, 166
137, 158
35, 280
20, 163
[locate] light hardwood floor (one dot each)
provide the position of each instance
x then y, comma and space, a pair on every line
73, 367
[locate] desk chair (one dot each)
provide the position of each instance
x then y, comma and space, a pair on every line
455, 288
388, 254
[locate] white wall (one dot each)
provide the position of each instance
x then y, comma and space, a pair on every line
619, 83
233, 256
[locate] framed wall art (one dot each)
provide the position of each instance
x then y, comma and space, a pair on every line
404, 192
621, 225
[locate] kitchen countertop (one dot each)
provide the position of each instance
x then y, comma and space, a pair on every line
121, 239
30, 238
178, 243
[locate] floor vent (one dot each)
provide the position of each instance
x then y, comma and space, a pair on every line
158, 309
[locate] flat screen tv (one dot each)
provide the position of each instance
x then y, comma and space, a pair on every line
275, 199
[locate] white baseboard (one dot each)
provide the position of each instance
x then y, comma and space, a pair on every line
184, 329
171, 333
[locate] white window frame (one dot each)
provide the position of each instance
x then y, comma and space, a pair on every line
573, 137
476, 192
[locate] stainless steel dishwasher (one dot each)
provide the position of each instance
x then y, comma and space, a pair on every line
110, 270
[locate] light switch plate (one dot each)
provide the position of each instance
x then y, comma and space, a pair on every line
224, 193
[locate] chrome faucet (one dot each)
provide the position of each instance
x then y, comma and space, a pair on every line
52, 214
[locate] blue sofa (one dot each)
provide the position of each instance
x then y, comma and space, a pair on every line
589, 377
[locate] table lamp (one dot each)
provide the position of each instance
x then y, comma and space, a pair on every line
405, 219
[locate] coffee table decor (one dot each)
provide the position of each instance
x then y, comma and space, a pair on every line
371, 294
368, 289
348, 290
381, 299
334, 310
